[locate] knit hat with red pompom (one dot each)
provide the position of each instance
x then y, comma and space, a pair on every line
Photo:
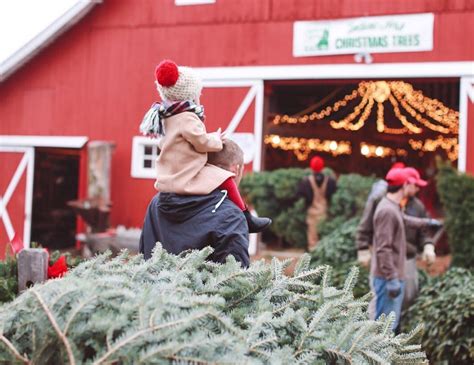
177, 83
316, 164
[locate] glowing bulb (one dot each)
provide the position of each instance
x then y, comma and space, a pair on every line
379, 151
276, 139
364, 150
333, 145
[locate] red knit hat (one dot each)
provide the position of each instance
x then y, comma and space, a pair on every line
316, 164
177, 83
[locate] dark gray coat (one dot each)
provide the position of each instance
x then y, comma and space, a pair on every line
184, 222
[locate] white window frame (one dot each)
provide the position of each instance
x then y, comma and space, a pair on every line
138, 156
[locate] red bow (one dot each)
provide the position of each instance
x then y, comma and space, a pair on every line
58, 269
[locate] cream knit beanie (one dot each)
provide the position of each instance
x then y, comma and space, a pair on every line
177, 83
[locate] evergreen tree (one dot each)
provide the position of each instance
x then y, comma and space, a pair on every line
184, 309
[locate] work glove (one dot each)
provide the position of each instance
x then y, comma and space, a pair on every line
428, 254
434, 223
363, 257
393, 288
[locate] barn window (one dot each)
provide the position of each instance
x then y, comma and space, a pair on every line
193, 2
144, 153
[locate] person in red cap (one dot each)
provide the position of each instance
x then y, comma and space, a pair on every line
388, 264
182, 166
418, 240
316, 189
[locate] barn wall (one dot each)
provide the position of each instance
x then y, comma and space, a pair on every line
97, 78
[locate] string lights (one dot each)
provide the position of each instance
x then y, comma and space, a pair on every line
449, 145
281, 119
397, 93
302, 147
368, 150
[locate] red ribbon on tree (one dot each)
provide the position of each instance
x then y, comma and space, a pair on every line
58, 269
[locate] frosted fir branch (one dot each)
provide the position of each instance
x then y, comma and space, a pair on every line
351, 280
186, 360
288, 304
14, 351
140, 333
317, 317
413, 335
388, 322
302, 265
348, 330
243, 298
277, 269
173, 348
213, 285
336, 356
310, 274
76, 312
61, 335
360, 335
373, 357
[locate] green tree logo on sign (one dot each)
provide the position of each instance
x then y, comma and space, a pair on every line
323, 42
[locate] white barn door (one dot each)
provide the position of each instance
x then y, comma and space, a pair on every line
243, 99
16, 194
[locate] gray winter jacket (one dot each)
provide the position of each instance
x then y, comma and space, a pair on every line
185, 222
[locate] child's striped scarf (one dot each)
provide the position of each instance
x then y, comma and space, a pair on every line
152, 123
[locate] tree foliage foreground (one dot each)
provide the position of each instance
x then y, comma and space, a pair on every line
186, 310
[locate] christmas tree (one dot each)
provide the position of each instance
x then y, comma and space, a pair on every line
184, 309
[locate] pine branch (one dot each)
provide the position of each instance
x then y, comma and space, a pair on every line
137, 334
192, 360
302, 264
14, 350
61, 335
76, 311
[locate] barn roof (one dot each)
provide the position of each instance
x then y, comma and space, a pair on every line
45, 37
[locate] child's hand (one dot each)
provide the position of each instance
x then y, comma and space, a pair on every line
219, 134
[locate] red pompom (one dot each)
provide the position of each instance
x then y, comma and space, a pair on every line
166, 73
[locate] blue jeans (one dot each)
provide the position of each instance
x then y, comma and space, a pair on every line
386, 304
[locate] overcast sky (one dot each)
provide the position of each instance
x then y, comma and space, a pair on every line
21, 20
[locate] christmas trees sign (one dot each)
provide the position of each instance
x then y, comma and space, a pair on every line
183, 309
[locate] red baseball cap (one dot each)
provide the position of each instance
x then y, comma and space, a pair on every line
316, 164
400, 176
398, 165
415, 177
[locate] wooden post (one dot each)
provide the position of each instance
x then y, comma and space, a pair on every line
32, 267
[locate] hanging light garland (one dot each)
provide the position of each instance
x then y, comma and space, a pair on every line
281, 119
369, 150
302, 147
414, 102
397, 93
449, 145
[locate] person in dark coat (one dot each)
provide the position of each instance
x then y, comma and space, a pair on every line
185, 222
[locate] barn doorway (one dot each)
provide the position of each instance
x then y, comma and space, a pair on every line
56, 180
364, 126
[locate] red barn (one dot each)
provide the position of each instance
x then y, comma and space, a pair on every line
89, 78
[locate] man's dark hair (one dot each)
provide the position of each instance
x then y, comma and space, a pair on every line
231, 154
394, 188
